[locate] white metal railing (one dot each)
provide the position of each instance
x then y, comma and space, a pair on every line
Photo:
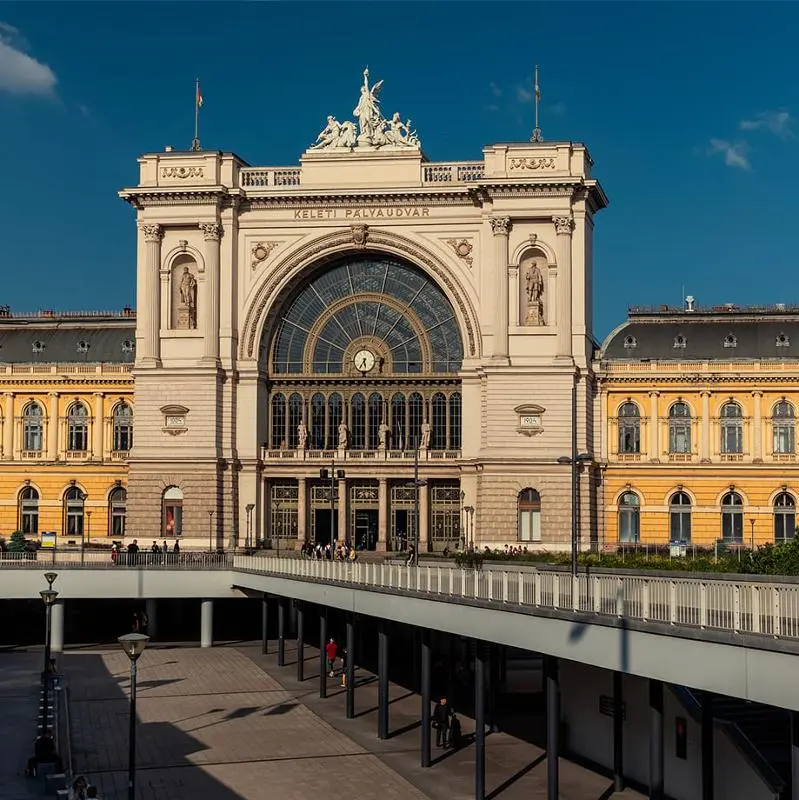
750, 607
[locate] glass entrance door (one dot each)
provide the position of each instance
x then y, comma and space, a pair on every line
366, 529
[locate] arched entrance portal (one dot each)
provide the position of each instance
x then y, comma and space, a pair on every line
363, 362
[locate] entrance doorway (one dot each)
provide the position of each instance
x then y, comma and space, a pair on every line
366, 529
322, 526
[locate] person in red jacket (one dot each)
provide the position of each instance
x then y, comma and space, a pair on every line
331, 649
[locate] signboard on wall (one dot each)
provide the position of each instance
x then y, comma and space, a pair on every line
48, 539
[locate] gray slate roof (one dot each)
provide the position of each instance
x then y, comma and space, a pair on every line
61, 342
704, 339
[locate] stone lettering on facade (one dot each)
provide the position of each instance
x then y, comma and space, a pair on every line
400, 212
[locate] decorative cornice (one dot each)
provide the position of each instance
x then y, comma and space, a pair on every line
183, 196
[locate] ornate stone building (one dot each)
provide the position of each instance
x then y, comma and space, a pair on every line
358, 314
66, 425
698, 415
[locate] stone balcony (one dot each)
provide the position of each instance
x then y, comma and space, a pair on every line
358, 456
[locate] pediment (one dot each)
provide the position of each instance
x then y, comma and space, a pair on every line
529, 408
174, 409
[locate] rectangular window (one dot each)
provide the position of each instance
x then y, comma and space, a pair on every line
783, 438
784, 526
32, 438
732, 526
731, 439
680, 526
530, 526
679, 438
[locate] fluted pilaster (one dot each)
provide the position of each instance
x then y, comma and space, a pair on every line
564, 225
212, 232
500, 227
148, 308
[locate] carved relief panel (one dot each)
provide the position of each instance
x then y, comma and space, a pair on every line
183, 293
533, 299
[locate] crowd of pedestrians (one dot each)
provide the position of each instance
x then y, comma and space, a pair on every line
133, 553
343, 551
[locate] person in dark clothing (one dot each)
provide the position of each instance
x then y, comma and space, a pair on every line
44, 752
442, 714
455, 733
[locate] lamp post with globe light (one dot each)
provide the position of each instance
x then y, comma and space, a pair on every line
133, 644
48, 596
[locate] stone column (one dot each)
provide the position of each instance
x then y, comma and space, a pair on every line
604, 427
515, 296
654, 427
207, 623
8, 426
57, 627
424, 519
704, 439
302, 505
563, 228
151, 609
148, 307
757, 428
382, 515
52, 428
501, 228
97, 428
212, 232
343, 530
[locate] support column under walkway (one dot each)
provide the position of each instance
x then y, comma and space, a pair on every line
382, 678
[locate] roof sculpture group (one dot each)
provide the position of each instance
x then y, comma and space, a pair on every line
373, 129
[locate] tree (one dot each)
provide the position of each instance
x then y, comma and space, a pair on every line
17, 542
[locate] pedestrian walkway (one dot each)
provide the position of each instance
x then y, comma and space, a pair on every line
515, 769
20, 675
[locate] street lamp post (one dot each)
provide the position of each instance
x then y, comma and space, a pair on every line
88, 528
48, 596
133, 644
249, 507
469, 511
417, 484
334, 475
574, 461
752, 523
210, 531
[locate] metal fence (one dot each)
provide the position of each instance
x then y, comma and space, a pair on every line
770, 609
95, 559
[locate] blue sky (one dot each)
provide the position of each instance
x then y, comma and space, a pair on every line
687, 109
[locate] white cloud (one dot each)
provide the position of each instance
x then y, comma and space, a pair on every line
736, 154
19, 72
779, 122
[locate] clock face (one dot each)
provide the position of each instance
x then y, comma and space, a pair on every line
364, 360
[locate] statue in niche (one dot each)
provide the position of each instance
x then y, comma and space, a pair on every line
534, 290
302, 436
187, 309
343, 436
425, 443
383, 433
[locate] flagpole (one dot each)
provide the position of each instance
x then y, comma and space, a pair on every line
195, 144
537, 137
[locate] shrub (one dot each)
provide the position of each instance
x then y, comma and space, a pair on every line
17, 542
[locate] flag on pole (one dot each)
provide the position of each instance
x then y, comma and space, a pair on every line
537, 87
199, 97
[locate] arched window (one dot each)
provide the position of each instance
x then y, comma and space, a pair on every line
455, 421
732, 428
438, 433
629, 429
278, 431
335, 410
732, 517
32, 427
679, 428
295, 418
783, 423
29, 511
172, 512
415, 418
77, 428
123, 427
117, 511
784, 517
357, 422
399, 426
529, 513
317, 438
680, 518
375, 418
629, 517
73, 511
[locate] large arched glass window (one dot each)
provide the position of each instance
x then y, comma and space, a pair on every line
679, 428
629, 429
123, 427
357, 422
335, 411
172, 511
317, 431
455, 421
529, 515
680, 517
784, 517
77, 428
629, 517
278, 410
732, 428
29, 511
399, 426
73, 511
117, 511
732, 517
784, 425
295, 418
438, 433
32, 427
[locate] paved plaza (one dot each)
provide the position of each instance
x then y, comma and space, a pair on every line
228, 724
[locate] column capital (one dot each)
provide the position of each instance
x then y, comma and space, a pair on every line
9, 394
757, 393
564, 225
705, 393
500, 226
152, 232
98, 394
654, 393
54, 394
301, 481
212, 231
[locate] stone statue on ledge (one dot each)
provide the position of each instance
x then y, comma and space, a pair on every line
425, 443
343, 436
382, 436
534, 287
302, 436
187, 309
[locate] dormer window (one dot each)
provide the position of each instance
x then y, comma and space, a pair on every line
783, 340
630, 342
731, 340
38, 346
83, 346
127, 346
680, 342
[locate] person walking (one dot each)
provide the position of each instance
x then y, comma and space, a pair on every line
442, 714
331, 650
